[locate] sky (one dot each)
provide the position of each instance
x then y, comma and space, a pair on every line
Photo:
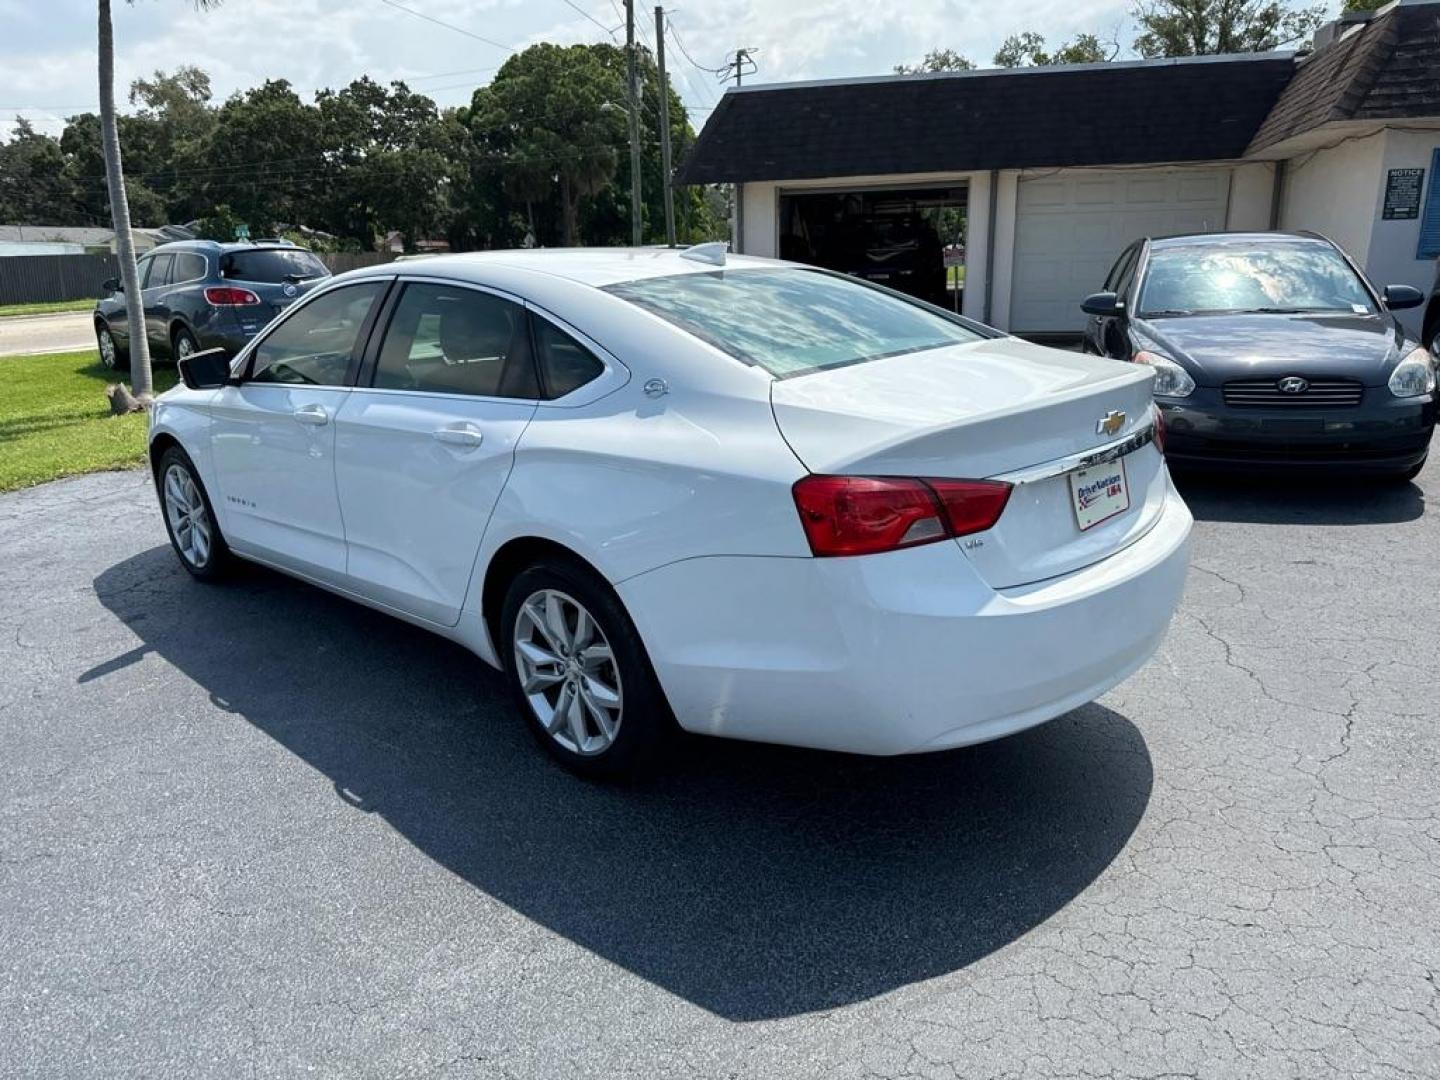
47, 47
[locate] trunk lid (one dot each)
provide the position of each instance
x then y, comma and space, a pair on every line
986, 409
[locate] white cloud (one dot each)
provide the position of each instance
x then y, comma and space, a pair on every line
47, 52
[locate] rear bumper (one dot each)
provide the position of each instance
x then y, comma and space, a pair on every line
1381, 434
903, 652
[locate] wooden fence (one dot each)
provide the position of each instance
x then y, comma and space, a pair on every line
35, 279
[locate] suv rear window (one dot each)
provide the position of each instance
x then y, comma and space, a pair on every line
792, 322
271, 265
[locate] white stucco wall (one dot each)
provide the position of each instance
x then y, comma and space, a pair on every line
1391, 258
1335, 191
761, 221
1252, 188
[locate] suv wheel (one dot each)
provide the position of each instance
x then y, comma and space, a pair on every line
111, 354
182, 344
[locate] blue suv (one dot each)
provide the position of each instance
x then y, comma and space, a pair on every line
200, 294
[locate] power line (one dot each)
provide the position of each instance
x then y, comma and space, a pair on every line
579, 10
446, 25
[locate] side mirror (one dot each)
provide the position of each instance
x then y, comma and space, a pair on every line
1400, 297
206, 370
112, 285
1103, 303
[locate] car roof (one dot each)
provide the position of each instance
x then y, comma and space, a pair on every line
1206, 238
225, 247
596, 267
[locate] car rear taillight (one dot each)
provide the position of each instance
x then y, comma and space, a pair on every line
229, 296
1158, 416
862, 515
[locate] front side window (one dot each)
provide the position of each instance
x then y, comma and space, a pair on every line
792, 322
1263, 276
565, 364
1121, 270
451, 340
316, 345
271, 265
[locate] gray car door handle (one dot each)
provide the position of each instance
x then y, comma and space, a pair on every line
460, 435
314, 415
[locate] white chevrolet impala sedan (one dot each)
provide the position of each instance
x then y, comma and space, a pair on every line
661, 487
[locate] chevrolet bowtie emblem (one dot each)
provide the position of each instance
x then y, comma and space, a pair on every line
1110, 423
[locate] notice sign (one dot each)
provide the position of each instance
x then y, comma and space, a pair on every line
1402, 194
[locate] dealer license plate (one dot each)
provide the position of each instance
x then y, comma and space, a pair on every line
1099, 493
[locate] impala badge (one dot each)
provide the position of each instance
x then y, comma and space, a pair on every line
1110, 423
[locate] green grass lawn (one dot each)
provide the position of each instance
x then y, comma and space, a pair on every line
47, 308
55, 420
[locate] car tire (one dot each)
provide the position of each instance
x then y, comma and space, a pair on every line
567, 699
112, 356
190, 518
182, 343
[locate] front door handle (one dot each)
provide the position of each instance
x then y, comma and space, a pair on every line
314, 415
460, 435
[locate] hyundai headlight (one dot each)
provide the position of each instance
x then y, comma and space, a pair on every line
1414, 376
1171, 380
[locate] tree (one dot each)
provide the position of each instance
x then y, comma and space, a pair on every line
1028, 50
936, 60
141, 382
1205, 27
550, 123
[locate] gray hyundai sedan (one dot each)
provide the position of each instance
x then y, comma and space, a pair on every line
200, 294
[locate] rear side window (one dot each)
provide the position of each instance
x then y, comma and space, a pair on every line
449, 340
158, 273
316, 345
188, 267
271, 266
792, 322
565, 364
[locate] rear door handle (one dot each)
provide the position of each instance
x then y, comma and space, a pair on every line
314, 415
460, 435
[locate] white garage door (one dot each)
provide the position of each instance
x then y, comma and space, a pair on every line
1069, 228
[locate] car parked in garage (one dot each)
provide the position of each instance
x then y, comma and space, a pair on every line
200, 294
1269, 349
766, 501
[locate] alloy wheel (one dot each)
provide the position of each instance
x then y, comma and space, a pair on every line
567, 672
107, 349
184, 346
189, 521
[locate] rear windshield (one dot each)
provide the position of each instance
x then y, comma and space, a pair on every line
791, 322
272, 265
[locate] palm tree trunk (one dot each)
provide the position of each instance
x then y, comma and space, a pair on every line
140, 380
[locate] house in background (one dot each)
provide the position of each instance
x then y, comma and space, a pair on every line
1053, 171
78, 240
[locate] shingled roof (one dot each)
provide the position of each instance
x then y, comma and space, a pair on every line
1385, 69
1192, 109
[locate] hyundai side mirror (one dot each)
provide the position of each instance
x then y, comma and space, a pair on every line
207, 370
1400, 297
112, 285
1103, 304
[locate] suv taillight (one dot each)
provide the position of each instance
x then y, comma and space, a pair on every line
229, 296
862, 515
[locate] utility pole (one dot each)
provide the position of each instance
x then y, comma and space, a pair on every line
742, 57
634, 123
665, 127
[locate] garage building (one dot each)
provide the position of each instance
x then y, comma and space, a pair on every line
1035, 179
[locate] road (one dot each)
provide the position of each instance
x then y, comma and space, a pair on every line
68, 332
254, 830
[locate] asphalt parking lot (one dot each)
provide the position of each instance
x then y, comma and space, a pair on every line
254, 830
